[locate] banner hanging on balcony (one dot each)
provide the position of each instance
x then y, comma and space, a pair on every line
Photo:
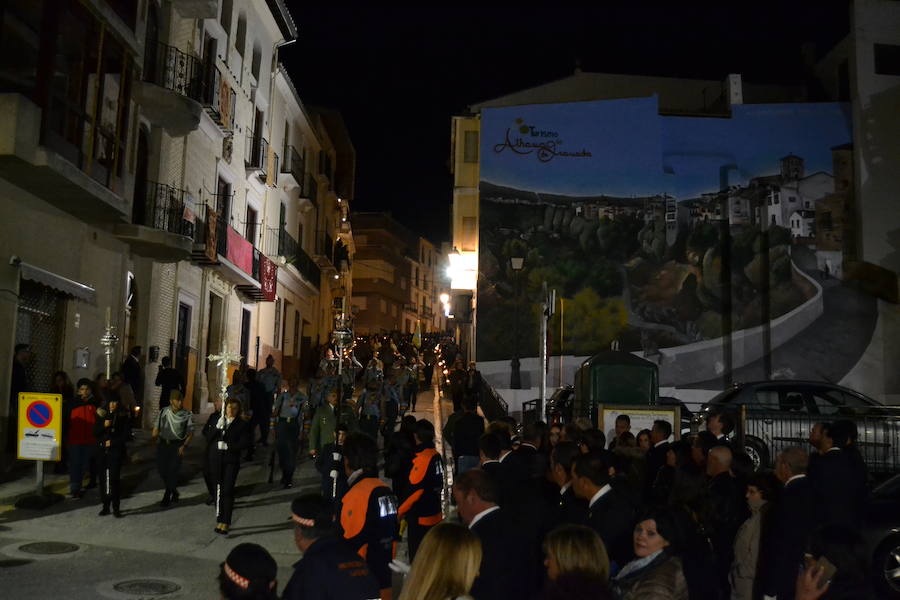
240, 251
268, 277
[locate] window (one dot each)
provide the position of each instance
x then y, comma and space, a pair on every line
383, 306
240, 40
777, 200
20, 41
806, 204
469, 234
225, 16
887, 59
256, 61
393, 310
277, 334
250, 229
792, 199
403, 283
470, 147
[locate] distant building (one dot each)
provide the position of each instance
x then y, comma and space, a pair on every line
835, 216
802, 224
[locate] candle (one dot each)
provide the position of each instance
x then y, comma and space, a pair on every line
107, 316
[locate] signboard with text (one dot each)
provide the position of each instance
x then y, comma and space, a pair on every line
40, 426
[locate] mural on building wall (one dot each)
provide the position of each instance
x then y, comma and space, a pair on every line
715, 245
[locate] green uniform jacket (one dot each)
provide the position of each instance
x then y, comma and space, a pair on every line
324, 423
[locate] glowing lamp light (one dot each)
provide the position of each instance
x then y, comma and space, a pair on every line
445, 298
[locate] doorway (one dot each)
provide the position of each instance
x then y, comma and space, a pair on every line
245, 336
213, 345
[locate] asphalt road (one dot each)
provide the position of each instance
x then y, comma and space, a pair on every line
151, 550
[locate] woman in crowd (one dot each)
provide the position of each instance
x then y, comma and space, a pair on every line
655, 573
761, 491
62, 385
643, 440
554, 436
112, 430
577, 564
230, 437
445, 566
249, 573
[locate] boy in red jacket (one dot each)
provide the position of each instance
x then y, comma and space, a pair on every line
81, 441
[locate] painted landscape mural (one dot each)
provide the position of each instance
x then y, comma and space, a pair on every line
713, 246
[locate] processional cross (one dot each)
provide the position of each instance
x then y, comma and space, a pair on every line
222, 359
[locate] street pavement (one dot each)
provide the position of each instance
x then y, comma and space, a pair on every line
151, 551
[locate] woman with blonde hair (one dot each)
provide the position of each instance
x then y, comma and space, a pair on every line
577, 564
445, 566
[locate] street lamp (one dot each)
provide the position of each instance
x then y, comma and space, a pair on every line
515, 375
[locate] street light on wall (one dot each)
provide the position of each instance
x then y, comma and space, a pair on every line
515, 375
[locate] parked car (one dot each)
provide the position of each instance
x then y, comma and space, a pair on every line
772, 415
882, 534
687, 417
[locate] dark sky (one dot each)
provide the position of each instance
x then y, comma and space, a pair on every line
398, 74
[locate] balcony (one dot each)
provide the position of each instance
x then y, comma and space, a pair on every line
324, 254
163, 224
310, 191
218, 99
172, 89
197, 9
282, 247
293, 170
220, 246
51, 168
256, 155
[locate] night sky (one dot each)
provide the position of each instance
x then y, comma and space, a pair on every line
398, 74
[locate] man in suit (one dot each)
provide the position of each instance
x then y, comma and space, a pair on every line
507, 572
466, 432
133, 374
656, 456
723, 511
790, 523
720, 423
835, 482
565, 508
609, 512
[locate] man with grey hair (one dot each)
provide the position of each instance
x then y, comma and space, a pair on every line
791, 522
724, 510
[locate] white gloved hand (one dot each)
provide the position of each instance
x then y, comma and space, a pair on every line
223, 446
398, 566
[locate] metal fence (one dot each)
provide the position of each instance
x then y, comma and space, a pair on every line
766, 433
492, 404
169, 67
530, 412
164, 209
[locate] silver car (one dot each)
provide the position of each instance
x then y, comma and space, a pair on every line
772, 415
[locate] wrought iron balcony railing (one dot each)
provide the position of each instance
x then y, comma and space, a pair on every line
163, 207
256, 155
294, 165
169, 67
218, 98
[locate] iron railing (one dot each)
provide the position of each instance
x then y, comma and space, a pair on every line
530, 412
164, 209
293, 164
169, 67
492, 404
311, 189
257, 153
278, 242
218, 98
765, 433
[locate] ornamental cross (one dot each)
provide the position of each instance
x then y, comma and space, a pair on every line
222, 361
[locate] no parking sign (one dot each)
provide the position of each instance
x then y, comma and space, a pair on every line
40, 426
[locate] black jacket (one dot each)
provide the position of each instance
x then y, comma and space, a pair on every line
507, 570
838, 484
789, 525
331, 570
566, 509
118, 433
655, 459
466, 433
612, 517
237, 436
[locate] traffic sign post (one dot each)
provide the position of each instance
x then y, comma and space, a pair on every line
39, 439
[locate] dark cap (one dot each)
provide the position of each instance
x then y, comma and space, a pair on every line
250, 565
311, 510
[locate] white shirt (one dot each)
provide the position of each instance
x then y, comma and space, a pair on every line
565, 488
505, 455
658, 444
529, 445
490, 460
354, 476
600, 493
481, 515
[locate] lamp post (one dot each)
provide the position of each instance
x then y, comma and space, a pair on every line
515, 375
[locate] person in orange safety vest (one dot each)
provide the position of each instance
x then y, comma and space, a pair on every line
367, 513
422, 504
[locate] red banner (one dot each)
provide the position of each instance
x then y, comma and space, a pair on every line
268, 277
239, 251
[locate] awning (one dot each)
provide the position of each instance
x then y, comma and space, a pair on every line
57, 282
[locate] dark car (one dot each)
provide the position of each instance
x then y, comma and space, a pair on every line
773, 415
882, 534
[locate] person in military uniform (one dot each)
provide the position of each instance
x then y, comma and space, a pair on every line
324, 423
112, 428
173, 431
367, 514
330, 463
329, 567
286, 411
422, 504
